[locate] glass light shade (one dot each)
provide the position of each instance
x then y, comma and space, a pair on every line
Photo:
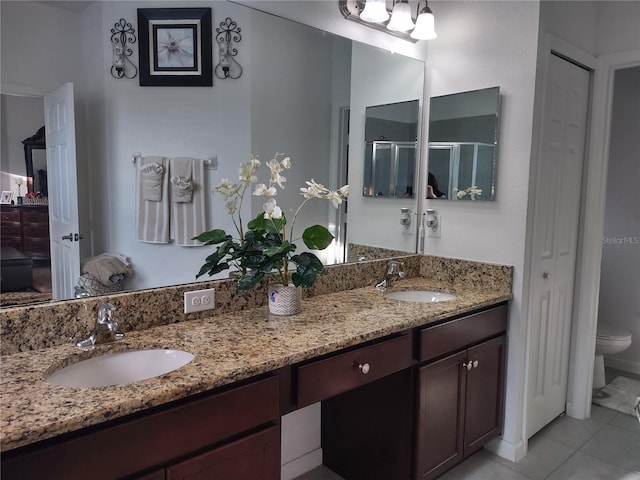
401, 20
375, 11
425, 27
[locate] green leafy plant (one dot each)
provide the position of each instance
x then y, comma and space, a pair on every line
263, 247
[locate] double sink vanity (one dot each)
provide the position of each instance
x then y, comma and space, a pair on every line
409, 386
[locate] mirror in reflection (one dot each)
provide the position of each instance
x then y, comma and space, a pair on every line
391, 144
463, 136
36, 163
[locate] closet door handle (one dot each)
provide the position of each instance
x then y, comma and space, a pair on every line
68, 237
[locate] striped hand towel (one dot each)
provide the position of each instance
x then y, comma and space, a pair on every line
188, 219
152, 217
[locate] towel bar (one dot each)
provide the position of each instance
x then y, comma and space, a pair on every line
211, 162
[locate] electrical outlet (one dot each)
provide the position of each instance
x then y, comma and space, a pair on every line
435, 232
199, 300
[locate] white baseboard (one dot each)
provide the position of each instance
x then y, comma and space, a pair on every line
301, 465
507, 450
622, 364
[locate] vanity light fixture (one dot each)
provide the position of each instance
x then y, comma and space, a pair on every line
425, 24
227, 34
375, 11
401, 20
122, 36
397, 22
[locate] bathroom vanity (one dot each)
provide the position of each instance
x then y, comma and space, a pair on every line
408, 390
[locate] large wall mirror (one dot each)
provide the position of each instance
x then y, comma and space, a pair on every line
295, 95
463, 140
391, 146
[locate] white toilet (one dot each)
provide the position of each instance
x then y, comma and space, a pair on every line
610, 340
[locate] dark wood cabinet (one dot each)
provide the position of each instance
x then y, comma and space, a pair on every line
10, 227
26, 228
407, 406
440, 419
35, 233
460, 404
428, 416
484, 405
255, 457
141, 446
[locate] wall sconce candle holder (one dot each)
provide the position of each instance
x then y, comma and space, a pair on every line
227, 34
122, 36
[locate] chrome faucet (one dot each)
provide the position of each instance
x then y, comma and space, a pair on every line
394, 271
106, 329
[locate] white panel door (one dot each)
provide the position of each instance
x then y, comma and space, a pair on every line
556, 218
60, 131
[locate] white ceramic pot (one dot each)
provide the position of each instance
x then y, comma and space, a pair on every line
285, 300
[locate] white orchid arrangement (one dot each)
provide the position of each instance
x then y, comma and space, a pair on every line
473, 190
263, 246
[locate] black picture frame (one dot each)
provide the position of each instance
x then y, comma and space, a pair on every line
175, 47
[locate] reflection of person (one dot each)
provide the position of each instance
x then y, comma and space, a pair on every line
433, 191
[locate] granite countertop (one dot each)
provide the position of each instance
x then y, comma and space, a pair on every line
227, 348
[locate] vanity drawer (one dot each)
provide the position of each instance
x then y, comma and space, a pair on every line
36, 232
35, 218
457, 334
34, 246
338, 374
10, 217
12, 231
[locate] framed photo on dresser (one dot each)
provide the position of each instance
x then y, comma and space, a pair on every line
7, 196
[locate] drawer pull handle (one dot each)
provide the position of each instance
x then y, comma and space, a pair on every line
364, 368
475, 364
468, 365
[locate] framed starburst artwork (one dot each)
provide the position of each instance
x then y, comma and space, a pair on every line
175, 47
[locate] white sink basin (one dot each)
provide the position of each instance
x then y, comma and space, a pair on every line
420, 296
120, 368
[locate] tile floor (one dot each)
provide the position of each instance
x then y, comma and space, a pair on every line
603, 447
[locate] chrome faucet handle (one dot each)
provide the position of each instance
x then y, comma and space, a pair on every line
394, 268
106, 329
105, 313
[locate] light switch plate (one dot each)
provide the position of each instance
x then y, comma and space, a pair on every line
199, 300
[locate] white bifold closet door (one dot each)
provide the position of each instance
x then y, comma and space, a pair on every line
556, 213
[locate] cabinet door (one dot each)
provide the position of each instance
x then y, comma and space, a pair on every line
440, 422
484, 394
256, 457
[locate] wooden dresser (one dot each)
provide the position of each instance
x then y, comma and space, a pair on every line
26, 228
